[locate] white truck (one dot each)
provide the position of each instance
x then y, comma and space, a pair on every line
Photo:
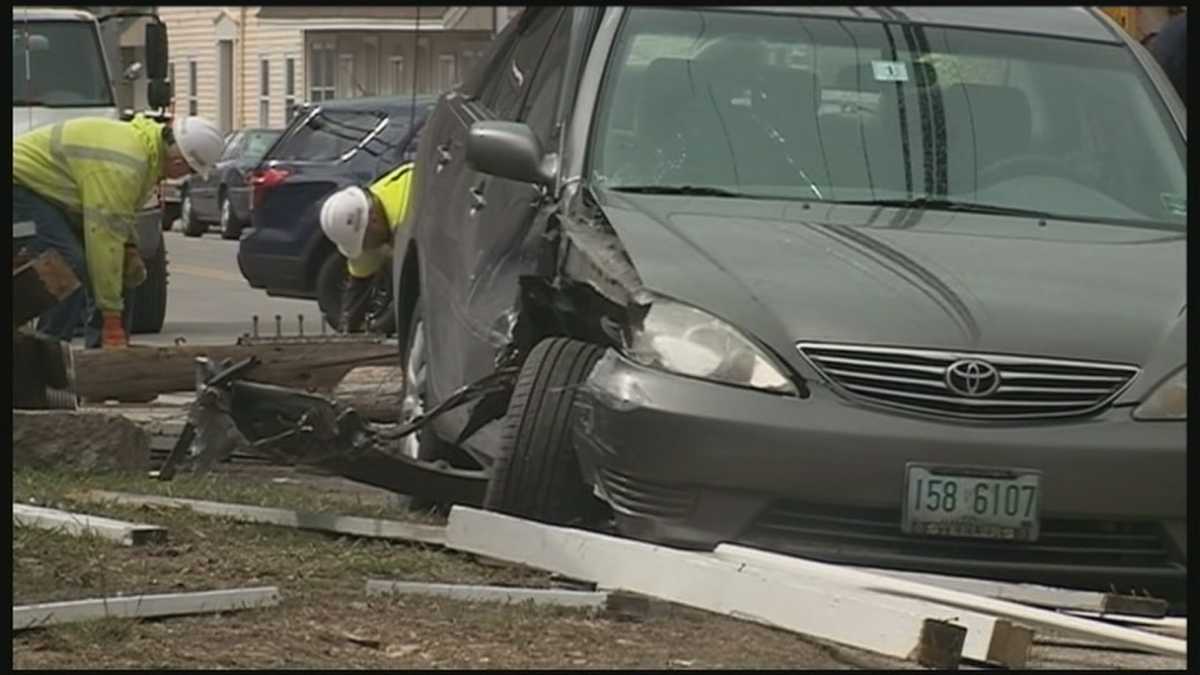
63, 64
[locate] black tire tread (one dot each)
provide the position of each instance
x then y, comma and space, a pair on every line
150, 306
537, 474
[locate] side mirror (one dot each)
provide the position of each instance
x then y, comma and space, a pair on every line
38, 43
156, 50
133, 71
509, 150
158, 93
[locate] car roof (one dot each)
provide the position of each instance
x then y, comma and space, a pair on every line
370, 102
1081, 23
47, 14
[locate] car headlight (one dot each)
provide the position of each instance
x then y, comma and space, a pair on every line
1168, 401
687, 341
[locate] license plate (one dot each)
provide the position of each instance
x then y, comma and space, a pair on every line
983, 503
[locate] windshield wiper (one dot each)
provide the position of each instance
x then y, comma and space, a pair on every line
695, 190
951, 205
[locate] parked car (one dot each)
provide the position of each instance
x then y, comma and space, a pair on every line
328, 146
945, 331
224, 197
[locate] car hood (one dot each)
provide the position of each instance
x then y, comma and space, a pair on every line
26, 118
789, 271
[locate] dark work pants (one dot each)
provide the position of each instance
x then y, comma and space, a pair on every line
56, 231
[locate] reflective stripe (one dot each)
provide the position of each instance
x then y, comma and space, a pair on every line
56, 133
122, 225
61, 152
103, 155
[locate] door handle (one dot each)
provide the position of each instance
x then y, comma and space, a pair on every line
477, 200
444, 156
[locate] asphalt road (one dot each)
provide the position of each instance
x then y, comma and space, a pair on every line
208, 301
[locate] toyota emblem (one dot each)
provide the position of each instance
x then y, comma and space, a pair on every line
972, 378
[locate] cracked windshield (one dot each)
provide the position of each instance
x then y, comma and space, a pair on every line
757, 105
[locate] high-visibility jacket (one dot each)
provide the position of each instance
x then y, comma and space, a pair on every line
391, 191
103, 170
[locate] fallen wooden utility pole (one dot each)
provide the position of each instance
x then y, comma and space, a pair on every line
503, 594
129, 534
143, 606
373, 528
801, 568
903, 628
136, 373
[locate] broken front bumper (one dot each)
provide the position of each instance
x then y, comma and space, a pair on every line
691, 463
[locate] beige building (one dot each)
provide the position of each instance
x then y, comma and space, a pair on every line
247, 66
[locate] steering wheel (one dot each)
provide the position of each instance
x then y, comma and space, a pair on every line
1026, 164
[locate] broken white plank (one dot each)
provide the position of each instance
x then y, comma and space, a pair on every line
504, 594
129, 534
802, 568
143, 606
1028, 594
375, 528
884, 625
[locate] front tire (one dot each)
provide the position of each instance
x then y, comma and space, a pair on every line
537, 474
330, 280
150, 299
231, 228
192, 227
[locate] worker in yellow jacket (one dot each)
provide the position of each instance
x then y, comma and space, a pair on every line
362, 223
81, 183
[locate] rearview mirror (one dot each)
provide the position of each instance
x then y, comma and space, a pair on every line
509, 150
38, 43
156, 51
158, 93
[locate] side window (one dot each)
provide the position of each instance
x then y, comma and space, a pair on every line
232, 145
510, 77
542, 99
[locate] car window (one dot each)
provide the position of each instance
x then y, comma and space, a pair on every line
476, 80
327, 136
848, 110
256, 144
510, 79
232, 146
542, 100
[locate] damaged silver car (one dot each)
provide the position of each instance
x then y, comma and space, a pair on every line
902, 287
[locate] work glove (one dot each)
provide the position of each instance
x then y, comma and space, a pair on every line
356, 296
135, 269
112, 334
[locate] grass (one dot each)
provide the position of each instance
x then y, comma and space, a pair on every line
325, 619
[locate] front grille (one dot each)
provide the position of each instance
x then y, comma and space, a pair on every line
917, 379
851, 532
646, 498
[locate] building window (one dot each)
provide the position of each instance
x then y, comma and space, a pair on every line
264, 93
345, 76
447, 72
320, 70
289, 88
395, 77
193, 88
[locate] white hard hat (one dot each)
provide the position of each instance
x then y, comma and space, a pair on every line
344, 217
199, 142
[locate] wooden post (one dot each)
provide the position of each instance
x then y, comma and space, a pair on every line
134, 373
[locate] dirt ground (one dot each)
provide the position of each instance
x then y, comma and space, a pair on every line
326, 620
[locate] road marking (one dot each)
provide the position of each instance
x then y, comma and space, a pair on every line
206, 273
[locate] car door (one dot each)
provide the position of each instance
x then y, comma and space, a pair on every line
441, 179
501, 222
204, 190
465, 243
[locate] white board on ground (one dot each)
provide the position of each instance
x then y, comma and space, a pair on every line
880, 624
503, 594
143, 606
809, 569
306, 520
129, 534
